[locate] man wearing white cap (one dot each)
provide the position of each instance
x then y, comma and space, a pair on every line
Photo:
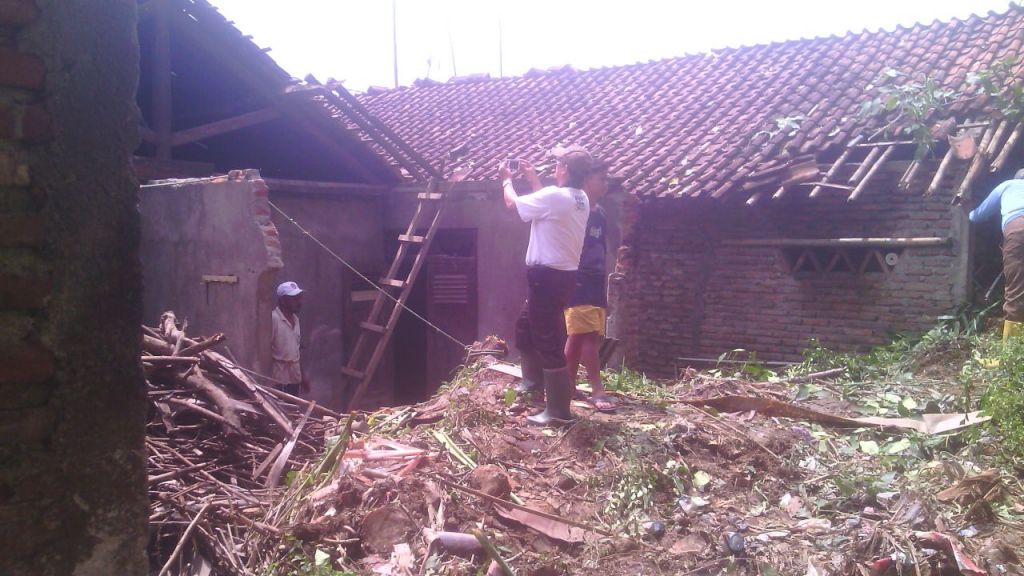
558, 220
286, 335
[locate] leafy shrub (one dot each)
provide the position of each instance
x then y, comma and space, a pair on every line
1004, 398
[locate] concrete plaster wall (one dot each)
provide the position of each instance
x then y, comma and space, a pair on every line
212, 227
502, 238
72, 463
351, 226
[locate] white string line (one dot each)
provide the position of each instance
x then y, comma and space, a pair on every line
365, 279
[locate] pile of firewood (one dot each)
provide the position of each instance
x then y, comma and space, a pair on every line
220, 446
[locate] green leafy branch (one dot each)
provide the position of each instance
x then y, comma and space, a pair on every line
1005, 92
908, 103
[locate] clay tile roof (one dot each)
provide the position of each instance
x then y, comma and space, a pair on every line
694, 125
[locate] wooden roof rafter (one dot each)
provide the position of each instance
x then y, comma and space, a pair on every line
995, 144
199, 22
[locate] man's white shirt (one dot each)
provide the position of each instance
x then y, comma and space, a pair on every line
558, 222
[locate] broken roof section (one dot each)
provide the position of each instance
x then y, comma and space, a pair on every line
718, 124
232, 105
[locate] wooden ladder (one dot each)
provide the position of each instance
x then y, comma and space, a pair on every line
376, 330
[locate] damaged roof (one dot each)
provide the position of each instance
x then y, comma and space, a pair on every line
702, 124
219, 73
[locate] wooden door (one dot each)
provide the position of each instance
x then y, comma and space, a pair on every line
451, 306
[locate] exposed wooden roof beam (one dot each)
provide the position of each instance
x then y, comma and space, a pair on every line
188, 28
224, 126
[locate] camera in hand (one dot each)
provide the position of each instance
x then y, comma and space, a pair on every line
513, 165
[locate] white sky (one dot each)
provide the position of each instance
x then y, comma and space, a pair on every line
351, 40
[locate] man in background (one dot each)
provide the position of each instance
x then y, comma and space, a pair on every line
585, 316
286, 336
1007, 202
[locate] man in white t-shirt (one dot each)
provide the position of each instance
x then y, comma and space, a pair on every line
558, 220
285, 340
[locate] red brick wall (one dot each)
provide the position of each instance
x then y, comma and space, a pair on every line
72, 398
691, 294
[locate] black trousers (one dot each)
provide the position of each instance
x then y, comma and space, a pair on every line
541, 324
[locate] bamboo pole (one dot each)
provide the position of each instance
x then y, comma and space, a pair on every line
986, 139
181, 543
866, 165
908, 176
1011, 143
972, 173
937, 179
871, 173
993, 144
835, 166
857, 242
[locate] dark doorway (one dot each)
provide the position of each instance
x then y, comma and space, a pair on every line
445, 294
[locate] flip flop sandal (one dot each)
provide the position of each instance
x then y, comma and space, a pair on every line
610, 404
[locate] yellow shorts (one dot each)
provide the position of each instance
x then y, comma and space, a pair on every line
584, 320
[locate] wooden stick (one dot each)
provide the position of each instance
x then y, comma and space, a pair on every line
170, 360
296, 400
209, 414
937, 179
274, 476
1011, 143
225, 404
819, 185
155, 345
184, 538
266, 461
506, 503
195, 349
871, 173
239, 378
883, 144
175, 473
865, 165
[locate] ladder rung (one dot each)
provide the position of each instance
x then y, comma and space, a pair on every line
430, 196
372, 327
411, 239
392, 282
352, 373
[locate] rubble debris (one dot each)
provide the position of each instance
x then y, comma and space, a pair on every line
460, 485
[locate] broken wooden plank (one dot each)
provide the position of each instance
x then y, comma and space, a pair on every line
224, 126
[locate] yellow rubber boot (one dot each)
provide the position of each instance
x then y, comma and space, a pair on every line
1012, 329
